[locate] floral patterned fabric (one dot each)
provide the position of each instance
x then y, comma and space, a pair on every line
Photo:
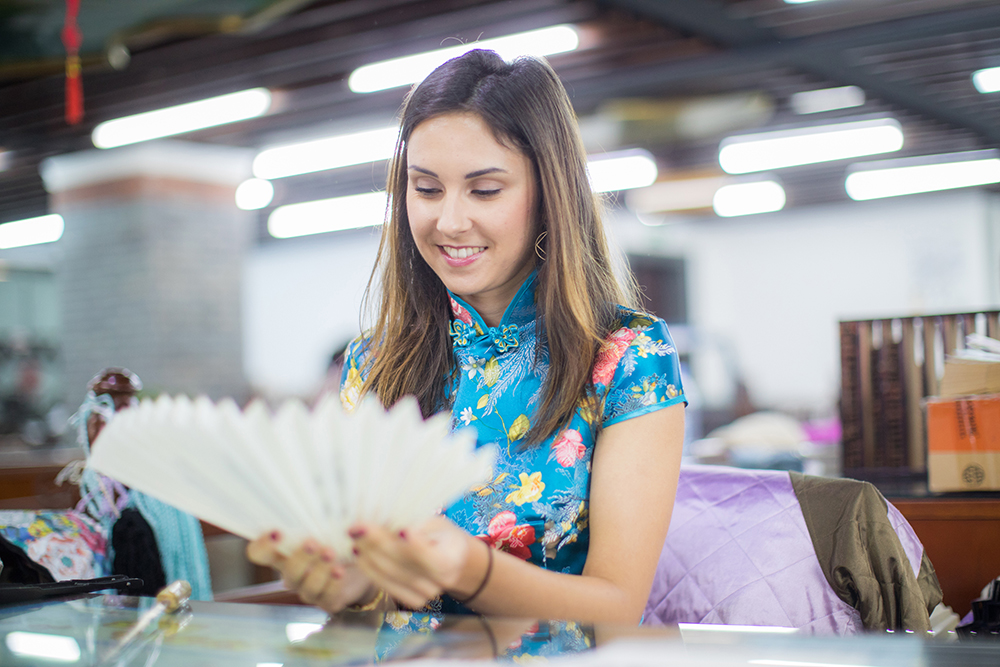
70, 545
536, 505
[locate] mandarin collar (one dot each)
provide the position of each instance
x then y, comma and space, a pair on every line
467, 326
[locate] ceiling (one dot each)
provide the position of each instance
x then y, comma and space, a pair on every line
672, 76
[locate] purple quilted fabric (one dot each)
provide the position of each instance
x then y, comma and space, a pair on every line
911, 543
739, 553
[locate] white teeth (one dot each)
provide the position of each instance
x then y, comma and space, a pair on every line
462, 253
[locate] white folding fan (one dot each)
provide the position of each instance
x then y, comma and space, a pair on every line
306, 473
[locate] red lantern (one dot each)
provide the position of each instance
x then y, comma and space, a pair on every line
72, 38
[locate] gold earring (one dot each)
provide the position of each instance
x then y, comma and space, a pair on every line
538, 247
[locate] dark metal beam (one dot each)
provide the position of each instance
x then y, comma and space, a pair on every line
750, 47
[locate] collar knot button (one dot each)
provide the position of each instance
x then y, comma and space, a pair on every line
506, 338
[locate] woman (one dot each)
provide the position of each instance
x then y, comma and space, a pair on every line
498, 302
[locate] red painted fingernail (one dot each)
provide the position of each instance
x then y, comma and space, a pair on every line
275, 536
309, 548
402, 534
355, 550
327, 556
336, 573
356, 532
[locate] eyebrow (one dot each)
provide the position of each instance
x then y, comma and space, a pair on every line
471, 174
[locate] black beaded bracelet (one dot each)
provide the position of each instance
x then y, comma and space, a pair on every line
489, 570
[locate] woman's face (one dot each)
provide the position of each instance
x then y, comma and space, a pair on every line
470, 201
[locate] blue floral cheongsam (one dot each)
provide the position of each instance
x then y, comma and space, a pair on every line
536, 505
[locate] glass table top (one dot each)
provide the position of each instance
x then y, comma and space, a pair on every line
89, 631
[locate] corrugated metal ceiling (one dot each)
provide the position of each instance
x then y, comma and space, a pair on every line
681, 58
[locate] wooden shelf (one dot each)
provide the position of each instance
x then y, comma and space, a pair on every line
962, 539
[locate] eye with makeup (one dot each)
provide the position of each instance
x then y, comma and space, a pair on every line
425, 187
485, 189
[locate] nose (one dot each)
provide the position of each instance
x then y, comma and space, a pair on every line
453, 217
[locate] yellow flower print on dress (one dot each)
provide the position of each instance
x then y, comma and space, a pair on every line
398, 619
590, 409
646, 392
643, 345
530, 490
350, 391
639, 321
491, 372
519, 428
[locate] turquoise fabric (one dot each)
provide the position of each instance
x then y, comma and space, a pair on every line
536, 505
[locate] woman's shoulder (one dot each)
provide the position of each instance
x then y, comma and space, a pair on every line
637, 341
630, 318
637, 369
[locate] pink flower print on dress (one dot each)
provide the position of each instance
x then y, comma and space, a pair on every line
506, 535
569, 447
610, 354
460, 313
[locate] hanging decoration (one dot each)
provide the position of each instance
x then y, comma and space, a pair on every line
72, 39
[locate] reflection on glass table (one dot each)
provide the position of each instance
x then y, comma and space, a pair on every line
86, 631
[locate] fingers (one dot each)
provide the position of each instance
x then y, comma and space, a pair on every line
321, 580
396, 562
264, 550
301, 563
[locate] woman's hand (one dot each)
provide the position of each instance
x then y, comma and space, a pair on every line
415, 566
312, 572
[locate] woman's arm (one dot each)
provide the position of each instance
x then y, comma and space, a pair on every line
633, 483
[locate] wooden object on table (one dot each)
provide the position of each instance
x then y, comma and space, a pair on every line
961, 536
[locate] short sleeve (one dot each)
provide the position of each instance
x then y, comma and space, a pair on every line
638, 369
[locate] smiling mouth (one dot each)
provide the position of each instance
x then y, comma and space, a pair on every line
462, 253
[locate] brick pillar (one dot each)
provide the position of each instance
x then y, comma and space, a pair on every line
151, 265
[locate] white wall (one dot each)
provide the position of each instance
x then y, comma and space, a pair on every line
301, 300
766, 292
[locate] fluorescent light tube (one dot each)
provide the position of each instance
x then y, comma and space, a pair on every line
31, 231
798, 2
676, 195
987, 80
42, 646
621, 171
827, 99
410, 69
893, 178
4, 159
748, 198
329, 153
789, 148
327, 215
253, 194
182, 118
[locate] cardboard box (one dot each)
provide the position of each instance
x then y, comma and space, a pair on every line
963, 443
963, 377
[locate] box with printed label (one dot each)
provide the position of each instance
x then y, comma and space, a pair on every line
963, 443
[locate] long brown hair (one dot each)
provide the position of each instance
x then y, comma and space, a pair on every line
526, 107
